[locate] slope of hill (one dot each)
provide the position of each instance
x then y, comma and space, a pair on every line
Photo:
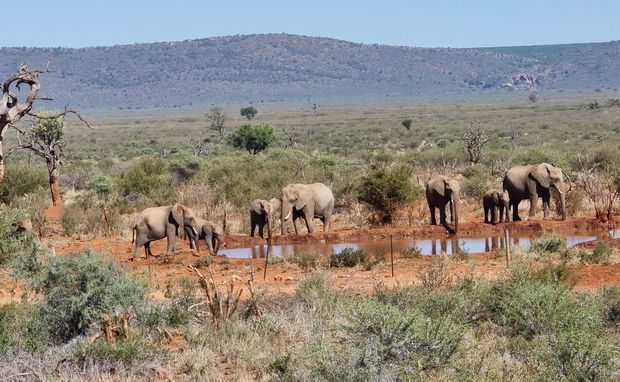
283, 67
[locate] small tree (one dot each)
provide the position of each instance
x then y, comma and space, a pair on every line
387, 190
45, 139
217, 121
249, 112
253, 138
407, 124
533, 97
474, 139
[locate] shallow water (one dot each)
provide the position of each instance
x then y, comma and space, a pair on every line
427, 246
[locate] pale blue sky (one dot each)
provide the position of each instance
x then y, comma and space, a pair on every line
448, 23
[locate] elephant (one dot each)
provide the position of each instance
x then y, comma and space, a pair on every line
494, 201
532, 182
307, 201
440, 191
155, 223
261, 214
208, 231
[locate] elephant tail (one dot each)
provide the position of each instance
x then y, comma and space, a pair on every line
133, 234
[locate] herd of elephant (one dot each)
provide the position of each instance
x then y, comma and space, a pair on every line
310, 201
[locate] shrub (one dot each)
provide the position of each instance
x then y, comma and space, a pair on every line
21, 180
348, 257
253, 138
601, 254
148, 176
20, 251
412, 252
126, 351
184, 165
78, 288
479, 181
381, 342
387, 190
92, 214
304, 260
203, 261
101, 184
548, 244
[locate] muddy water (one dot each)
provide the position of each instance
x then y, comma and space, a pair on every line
446, 245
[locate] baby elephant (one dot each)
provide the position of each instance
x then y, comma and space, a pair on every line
262, 213
494, 200
208, 231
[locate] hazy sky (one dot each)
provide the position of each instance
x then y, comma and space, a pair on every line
430, 23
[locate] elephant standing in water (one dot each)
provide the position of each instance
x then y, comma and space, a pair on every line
494, 201
208, 231
307, 201
532, 182
261, 214
440, 191
158, 222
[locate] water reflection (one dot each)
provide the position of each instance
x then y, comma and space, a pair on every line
447, 245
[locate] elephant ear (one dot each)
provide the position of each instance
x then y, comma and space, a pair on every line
303, 196
541, 174
177, 213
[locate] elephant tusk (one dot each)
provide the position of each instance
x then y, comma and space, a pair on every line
287, 216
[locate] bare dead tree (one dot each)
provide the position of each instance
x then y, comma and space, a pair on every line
474, 139
12, 110
199, 148
217, 121
603, 190
288, 133
514, 134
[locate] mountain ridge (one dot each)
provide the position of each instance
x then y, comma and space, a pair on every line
286, 67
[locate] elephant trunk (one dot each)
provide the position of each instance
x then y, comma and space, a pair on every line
217, 245
454, 212
285, 213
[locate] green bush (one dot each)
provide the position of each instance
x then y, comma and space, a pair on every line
304, 260
21, 252
527, 305
203, 261
78, 288
21, 328
387, 190
184, 165
22, 179
253, 138
93, 214
548, 243
101, 184
148, 176
601, 254
479, 180
348, 257
381, 342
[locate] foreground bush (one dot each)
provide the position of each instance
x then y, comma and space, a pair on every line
77, 289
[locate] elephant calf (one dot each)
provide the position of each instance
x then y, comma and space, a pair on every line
208, 231
261, 214
494, 201
158, 222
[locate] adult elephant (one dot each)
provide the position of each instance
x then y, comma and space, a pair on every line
494, 201
307, 201
440, 191
533, 182
261, 214
208, 231
155, 223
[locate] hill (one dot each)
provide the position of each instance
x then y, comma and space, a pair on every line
284, 67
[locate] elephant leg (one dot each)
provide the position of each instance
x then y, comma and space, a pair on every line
147, 249
533, 206
515, 210
546, 200
486, 214
253, 224
442, 214
493, 215
261, 230
501, 213
296, 225
326, 222
172, 239
432, 211
309, 217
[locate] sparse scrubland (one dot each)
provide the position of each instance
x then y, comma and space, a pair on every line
86, 317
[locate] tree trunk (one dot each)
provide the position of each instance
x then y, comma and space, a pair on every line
1, 161
54, 184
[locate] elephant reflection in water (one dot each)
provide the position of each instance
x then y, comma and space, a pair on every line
493, 243
445, 245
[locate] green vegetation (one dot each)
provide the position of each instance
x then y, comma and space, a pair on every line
348, 257
253, 138
249, 112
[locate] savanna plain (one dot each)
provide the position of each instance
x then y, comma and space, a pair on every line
76, 305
